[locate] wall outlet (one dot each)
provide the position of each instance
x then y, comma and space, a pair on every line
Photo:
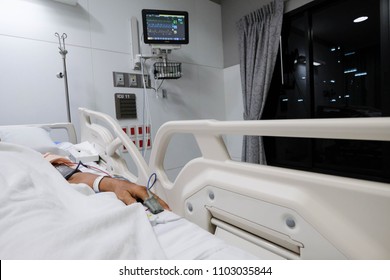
133, 80
147, 81
119, 79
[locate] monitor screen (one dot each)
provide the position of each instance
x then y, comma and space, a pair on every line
165, 27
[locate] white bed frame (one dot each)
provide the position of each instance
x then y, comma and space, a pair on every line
278, 212
275, 213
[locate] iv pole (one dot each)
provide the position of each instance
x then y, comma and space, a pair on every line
64, 74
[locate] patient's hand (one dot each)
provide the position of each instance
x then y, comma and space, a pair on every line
125, 191
57, 160
129, 193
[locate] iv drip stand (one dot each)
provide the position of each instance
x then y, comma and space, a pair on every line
64, 74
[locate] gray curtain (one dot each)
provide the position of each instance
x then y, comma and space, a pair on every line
259, 34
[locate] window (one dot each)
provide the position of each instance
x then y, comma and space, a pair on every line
333, 67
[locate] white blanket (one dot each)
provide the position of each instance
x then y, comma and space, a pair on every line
42, 217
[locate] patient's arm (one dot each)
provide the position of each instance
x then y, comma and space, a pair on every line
126, 191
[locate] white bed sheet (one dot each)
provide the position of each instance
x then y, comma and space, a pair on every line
42, 217
185, 240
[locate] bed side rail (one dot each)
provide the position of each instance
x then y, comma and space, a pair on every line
53, 128
107, 136
208, 134
318, 216
70, 130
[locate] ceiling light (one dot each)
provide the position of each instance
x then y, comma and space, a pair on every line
349, 53
350, 70
360, 19
361, 74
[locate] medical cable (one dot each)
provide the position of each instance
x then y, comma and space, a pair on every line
94, 168
159, 86
155, 220
151, 185
146, 117
151, 202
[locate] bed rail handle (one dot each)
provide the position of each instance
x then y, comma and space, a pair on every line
238, 224
209, 133
258, 241
113, 146
91, 121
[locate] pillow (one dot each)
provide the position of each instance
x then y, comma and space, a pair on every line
35, 138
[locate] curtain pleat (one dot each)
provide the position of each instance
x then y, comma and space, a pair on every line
259, 34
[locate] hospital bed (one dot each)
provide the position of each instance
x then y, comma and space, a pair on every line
219, 204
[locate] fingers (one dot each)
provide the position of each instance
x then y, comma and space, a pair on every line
129, 200
125, 196
143, 195
131, 193
163, 203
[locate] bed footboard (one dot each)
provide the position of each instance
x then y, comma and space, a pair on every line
277, 212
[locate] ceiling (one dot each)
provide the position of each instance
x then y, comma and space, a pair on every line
333, 25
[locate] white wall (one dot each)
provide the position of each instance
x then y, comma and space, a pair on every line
235, 107
99, 42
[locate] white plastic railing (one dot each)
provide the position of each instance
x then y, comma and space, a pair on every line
208, 134
93, 129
